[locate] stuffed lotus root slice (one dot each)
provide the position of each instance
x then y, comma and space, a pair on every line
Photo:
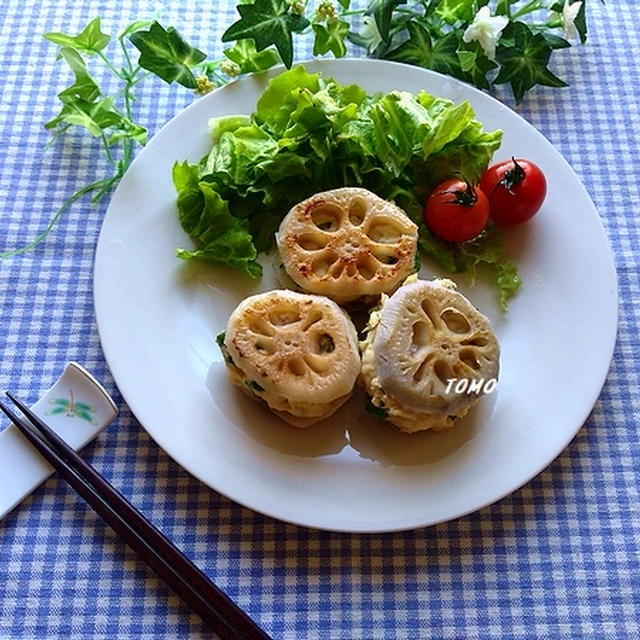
347, 243
428, 335
298, 346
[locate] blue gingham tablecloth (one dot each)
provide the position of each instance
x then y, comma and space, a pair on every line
558, 558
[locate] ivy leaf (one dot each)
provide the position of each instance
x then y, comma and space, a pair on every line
453, 10
165, 53
420, 50
524, 63
77, 99
93, 116
475, 64
128, 130
503, 8
445, 55
248, 59
81, 107
382, 12
467, 60
416, 50
330, 37
556, 42
80, 101
580, 23
98, 118
268, 22
90, 40
84, 86
136, 25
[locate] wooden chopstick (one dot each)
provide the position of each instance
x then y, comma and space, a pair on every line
184, 577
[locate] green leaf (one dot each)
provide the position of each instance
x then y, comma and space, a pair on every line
437, 250
554, 41
129, 130
489, 248
310, 133
282, 98
82, 108
330, 37
581, 23
452, 11
417, 49
97, 117
524, 64
503, 7
382, 12
93, 116
85, 86
136, 25
267, 22
477, 72
420, 50
445, 55
90, 40
165, 53
218, 236
248, 59
467, 59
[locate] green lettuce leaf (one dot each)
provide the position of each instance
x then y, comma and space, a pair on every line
309, 133
220, 237
489, 248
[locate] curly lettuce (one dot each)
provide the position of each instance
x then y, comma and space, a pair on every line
308, 133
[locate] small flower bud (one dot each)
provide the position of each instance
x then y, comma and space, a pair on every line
297, 7
326, 11
232, 69
203, 85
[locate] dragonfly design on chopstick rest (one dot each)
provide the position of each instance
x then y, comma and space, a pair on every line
72, 408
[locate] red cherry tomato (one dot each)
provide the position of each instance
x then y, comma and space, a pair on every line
456, 211
516, 189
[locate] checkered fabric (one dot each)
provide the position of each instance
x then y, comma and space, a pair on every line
559, 558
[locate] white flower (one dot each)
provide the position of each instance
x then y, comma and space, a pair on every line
486, 29
371, 33
569, 15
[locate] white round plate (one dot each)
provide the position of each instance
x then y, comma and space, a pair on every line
158, 318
